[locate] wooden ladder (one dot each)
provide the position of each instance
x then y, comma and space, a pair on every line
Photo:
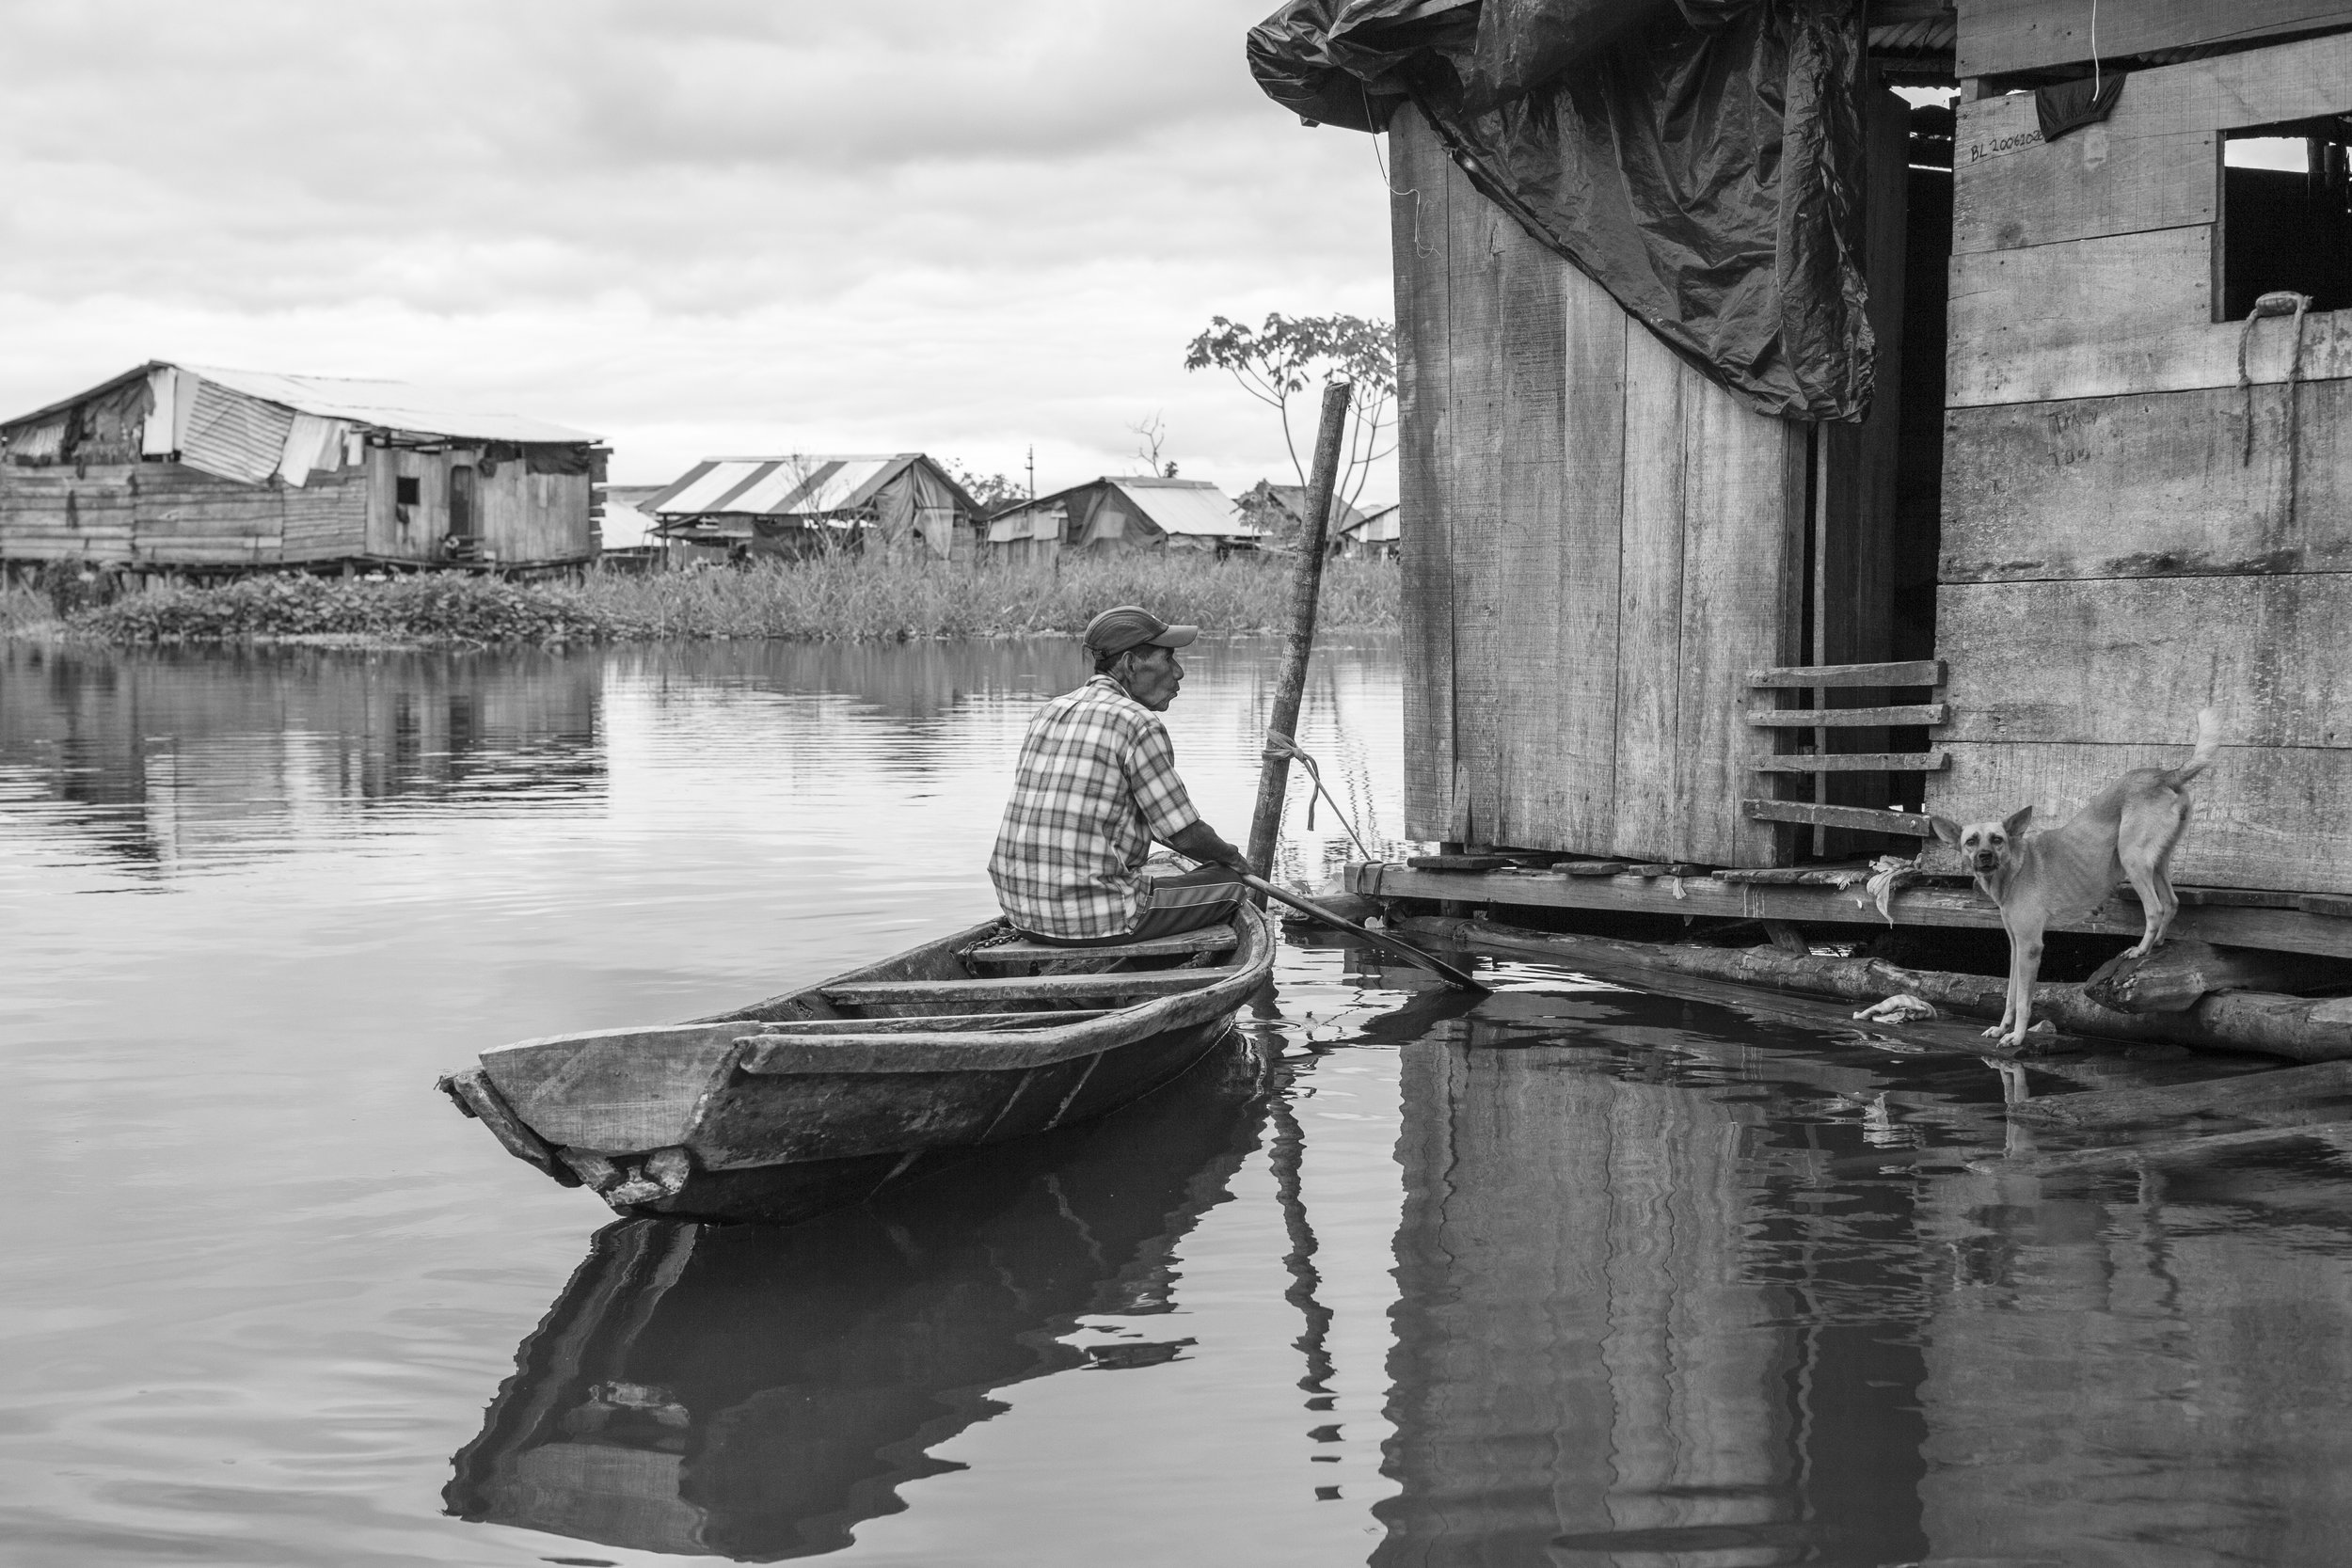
1779, 685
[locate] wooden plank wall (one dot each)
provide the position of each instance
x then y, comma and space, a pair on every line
1997, 36
2113, 555
163, 514
1854, 531
1599, 543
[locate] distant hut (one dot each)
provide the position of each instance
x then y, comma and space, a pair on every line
1372, 534
809, 503
1281, 511
630, 538
1124, 513
194, 468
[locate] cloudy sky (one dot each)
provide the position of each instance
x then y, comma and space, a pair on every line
697, 227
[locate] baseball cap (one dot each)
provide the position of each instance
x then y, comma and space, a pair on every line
1128, 626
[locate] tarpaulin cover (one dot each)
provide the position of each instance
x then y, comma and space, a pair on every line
1699, 159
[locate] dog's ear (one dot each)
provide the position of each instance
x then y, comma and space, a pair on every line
2018, 821
1946, 829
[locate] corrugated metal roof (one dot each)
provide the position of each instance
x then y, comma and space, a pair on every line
385, 405
1293, 499
1186, 506
1379, 528
389, 404
805, 484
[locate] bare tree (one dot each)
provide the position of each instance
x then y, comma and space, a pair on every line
1281, 358
1151, 436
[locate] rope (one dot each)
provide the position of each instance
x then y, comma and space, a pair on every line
1280, 745
2278, 302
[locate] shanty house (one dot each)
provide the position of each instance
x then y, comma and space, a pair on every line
807, 504
1374, 534
192, 468
1728, 402
1124, 513
1280, 510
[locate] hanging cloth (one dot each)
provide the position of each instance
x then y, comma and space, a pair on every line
2072, 105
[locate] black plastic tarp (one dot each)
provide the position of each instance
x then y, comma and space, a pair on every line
1699, 159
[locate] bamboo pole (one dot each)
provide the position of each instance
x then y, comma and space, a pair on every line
1274, 776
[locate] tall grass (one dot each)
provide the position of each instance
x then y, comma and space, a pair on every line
848, 597
23, 608
843, 599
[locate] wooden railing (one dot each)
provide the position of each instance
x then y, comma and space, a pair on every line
1820, 761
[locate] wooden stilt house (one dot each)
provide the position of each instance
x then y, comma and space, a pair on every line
1661, 611
184, 469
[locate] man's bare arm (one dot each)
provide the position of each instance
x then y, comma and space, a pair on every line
1199, 842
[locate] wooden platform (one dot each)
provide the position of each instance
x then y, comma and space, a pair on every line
2288, 930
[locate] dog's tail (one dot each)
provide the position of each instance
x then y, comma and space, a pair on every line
2208, 747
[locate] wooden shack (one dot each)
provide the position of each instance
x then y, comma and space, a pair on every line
810, 503
187, 468
1122, 512
2096, 488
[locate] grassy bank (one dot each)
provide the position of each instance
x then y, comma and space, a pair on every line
22, 610
846, 599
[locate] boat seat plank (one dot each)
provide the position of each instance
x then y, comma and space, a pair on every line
1155, 982
934, 1022
1214, 939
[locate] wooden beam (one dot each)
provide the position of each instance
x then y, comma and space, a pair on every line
2150, 484
2016, 340
2277, 1025
1862, 818
1215, 938
2129, 663
2288, 930
1157, 982
937, 1022
2155, 162
1853, 762
1849, 718
1424, 180
1998, 37
1918, 672
2275, 817
2088, 303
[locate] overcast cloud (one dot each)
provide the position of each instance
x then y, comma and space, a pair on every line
698, 227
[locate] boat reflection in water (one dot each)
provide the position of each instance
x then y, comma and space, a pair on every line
757, 1393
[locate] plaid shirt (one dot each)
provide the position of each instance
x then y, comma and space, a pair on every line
1095, 785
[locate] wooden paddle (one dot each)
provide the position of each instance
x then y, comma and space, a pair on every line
1381, 940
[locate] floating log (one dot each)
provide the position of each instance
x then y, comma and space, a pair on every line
2296, 1027
2172, 978
2335, 1137
2321, 1092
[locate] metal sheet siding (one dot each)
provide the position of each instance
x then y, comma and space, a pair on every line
1199, 511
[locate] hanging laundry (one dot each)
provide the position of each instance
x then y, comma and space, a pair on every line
311, 442
160, 437
2072, 105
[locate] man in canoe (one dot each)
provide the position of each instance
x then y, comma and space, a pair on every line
1095, 785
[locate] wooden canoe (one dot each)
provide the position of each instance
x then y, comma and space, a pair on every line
754, 1393
825, 1096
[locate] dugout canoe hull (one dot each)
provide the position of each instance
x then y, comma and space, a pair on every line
827, 1096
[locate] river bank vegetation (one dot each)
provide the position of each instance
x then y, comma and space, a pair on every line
843, 598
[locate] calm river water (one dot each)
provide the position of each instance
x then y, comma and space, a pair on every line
1587, 1275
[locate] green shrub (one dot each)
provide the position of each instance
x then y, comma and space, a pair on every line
844, 597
